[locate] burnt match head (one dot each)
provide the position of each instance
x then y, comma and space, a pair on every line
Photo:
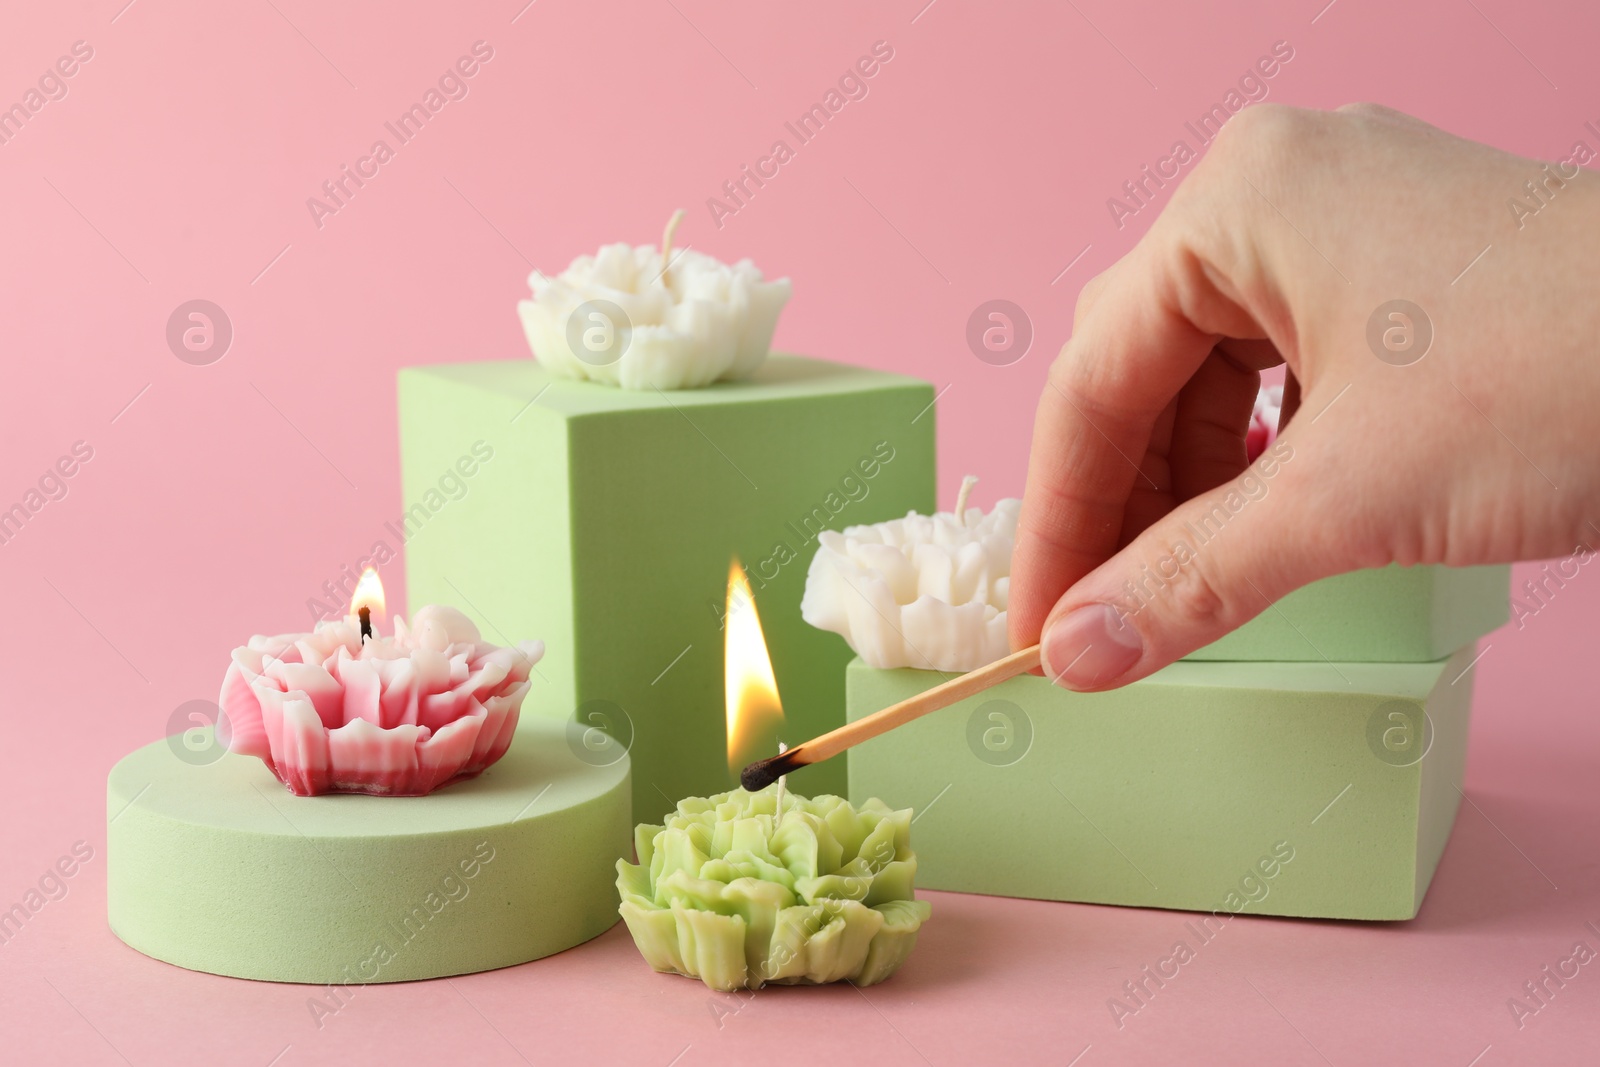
762, 773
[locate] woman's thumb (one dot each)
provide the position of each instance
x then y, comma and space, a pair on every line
1211, 564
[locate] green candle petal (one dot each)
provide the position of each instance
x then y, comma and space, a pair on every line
644, 844
732, 893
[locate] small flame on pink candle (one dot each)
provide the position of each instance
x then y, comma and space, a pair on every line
367, 599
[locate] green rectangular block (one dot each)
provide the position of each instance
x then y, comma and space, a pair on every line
1386, 615
604, 522
1185, 790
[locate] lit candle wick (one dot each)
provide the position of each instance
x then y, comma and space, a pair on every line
783, 780
366, 623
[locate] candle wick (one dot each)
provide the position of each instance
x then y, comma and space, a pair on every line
783, 780
961, 498
366, 624
666, 245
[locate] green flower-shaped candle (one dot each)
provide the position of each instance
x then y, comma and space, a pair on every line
737, 896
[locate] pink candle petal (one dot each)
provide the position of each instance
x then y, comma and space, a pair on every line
1263, 422
433, 670
528, 654
240, 722
438, 710
1255, 440
368, 759
299, 745
490, 677
448, 753
501, 713
362, 689
320, 687
399, 700
459, 668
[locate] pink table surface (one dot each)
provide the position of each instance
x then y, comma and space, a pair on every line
177, 166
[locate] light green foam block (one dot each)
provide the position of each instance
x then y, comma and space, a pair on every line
217, 867
1386, 615
1183, 788
606, 520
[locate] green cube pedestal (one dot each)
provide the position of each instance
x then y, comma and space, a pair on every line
603, 521
1386, 615
1309, 789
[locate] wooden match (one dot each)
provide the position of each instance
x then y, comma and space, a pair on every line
763, 773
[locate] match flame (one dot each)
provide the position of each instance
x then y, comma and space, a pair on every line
368, 594
751, 690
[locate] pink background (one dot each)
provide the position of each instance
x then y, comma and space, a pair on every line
220, 497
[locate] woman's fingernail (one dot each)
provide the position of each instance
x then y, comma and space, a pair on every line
1090, 646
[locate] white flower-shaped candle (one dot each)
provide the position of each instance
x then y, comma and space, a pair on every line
649, 318
923, 591
344, 710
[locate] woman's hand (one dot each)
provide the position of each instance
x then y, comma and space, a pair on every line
1461, 426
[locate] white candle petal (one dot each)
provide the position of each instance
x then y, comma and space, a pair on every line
923, 591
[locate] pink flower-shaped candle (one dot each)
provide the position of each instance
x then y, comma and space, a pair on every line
332, 711
1264, 422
